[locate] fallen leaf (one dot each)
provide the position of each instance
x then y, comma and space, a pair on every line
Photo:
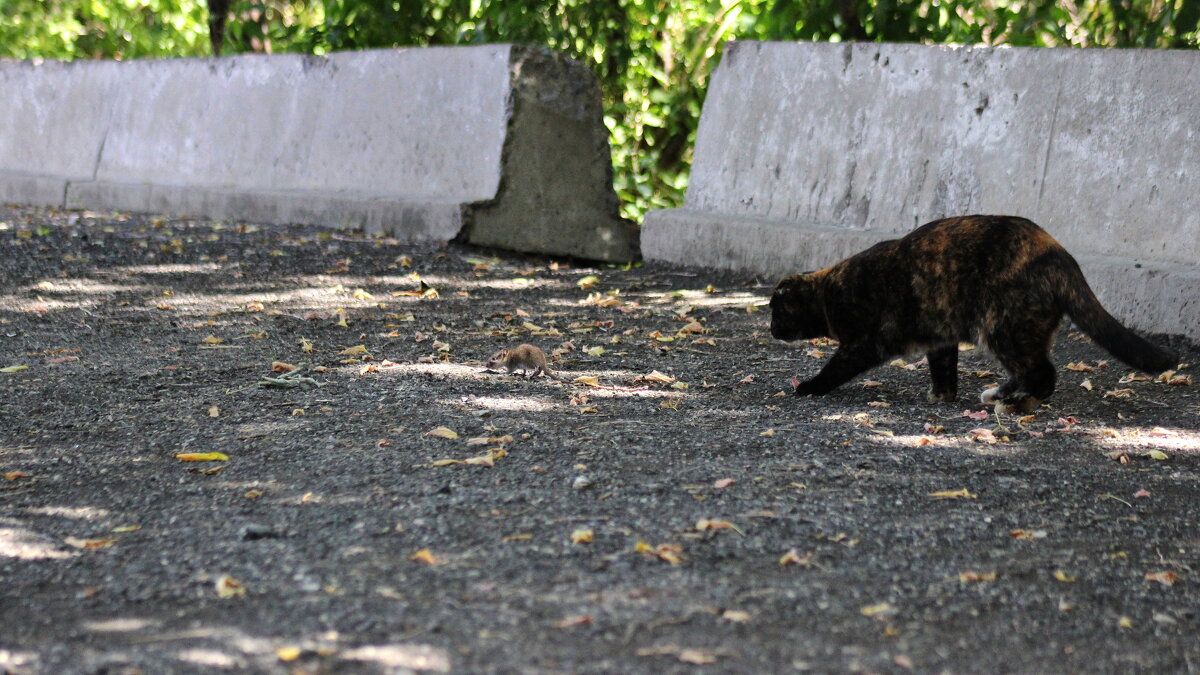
1087, 384
201, 456
577, 620
706, 524
736, 616
214, 411
977, 415
89, 544
489, 440
1166, 578
882, 610
228, 587
723, 483
697, 657
582, 536
1064, 577
442, 432
872, 383
982, 436
587, 380
353, 351
13, 475
1141, 494
13, 369
656, 376
1027, 534
590, 281
288, 653
212, 340
964, 493
768, 432
424, 556
976, 577
1119, 393
1079, 367
793, 557
1158, 455
1125, 622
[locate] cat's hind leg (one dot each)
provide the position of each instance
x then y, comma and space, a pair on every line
943, 370
1031, 380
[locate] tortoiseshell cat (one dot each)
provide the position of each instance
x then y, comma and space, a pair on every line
998, 281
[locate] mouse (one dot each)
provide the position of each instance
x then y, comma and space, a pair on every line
526, 358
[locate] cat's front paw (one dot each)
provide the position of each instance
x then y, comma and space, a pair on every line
808, 389
990, 395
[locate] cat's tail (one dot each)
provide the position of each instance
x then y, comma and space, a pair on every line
1085, 310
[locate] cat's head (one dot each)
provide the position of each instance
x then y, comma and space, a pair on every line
796, 311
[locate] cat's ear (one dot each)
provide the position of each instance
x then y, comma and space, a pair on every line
797, 284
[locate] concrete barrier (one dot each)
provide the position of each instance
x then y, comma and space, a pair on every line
809, 152
500, 145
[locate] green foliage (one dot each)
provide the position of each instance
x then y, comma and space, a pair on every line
653, 57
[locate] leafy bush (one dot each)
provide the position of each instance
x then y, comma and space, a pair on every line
653, 57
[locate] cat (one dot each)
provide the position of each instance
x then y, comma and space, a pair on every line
1000, 282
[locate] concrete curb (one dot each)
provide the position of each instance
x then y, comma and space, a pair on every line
809, 152
426, 144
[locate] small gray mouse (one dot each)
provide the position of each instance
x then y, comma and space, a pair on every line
529, 360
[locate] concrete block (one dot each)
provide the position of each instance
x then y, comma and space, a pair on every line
806, 151
498, 144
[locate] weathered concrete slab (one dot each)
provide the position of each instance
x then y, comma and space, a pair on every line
502, 145
809, 151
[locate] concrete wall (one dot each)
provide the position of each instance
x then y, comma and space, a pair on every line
808, 152
417, 142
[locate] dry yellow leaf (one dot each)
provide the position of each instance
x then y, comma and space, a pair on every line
1027, 534
281, 367
595, 351
90, 543
972, 576
964, 493
214, 411
13, 475
487, 440
1166, 578
656, 376
1125, 622
1158, 455
768, 432
882, 609
793, 557
1064, 577
697, 657
228, 587
582, 536
588, 380
442, 432
287, 654
212, 340
306, 345
201, 456
708, 524
424, 556
590, 281
736, 616
353, 351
